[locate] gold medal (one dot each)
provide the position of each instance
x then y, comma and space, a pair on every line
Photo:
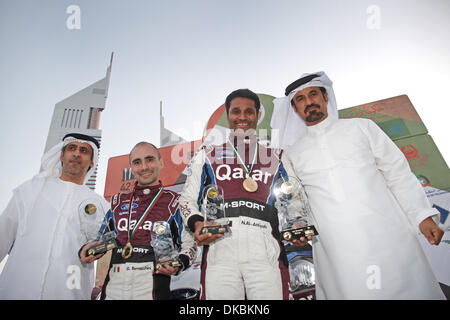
90, 209
127, 250
250, 185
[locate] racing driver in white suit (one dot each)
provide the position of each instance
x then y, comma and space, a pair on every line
250, 262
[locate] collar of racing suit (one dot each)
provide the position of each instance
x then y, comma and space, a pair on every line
239, 139
139, 190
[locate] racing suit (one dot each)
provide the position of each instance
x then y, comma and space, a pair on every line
133, 278
251, 262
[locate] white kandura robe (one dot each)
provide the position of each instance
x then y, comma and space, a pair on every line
46, 229
367, 205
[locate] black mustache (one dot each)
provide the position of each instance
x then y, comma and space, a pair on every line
77, 160
310, 106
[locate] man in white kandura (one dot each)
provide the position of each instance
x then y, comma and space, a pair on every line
367, 205
45, 223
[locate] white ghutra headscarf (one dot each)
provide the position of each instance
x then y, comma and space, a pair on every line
289, 124
51, 164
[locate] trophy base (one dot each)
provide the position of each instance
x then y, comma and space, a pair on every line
101, 248
172, 263
297, 233
215, 229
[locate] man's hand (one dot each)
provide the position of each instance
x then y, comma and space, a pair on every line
206, 238
89, 259
167, 270
302, 241
431, 231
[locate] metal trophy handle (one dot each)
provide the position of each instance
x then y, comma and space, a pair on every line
162, 243
107, 234
213, 209
293, 209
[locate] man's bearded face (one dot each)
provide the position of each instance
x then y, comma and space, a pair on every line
311, 105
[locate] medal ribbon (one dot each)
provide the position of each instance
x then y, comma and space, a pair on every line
242, 163
144, 215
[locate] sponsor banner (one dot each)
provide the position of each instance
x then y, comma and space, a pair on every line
426, 161
395, 116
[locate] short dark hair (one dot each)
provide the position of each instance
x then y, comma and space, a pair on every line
242, 93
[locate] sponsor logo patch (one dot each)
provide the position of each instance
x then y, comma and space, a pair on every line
247, 204
224, 172
127, 205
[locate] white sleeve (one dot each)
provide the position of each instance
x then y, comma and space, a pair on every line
287, 165
189, 197
8, 226
188, 245
402, 182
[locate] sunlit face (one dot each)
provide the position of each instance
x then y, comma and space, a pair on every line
76, 160
145, 165
242, 114
311, 105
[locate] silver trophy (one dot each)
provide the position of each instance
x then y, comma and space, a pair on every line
106, 234
162, 243
213, 209
294, 213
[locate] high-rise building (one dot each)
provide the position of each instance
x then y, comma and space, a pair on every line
80, 113
167, 137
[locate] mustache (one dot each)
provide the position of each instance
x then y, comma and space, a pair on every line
310, 106
74, 159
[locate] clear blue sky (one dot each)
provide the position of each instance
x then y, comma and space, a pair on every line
191, 54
